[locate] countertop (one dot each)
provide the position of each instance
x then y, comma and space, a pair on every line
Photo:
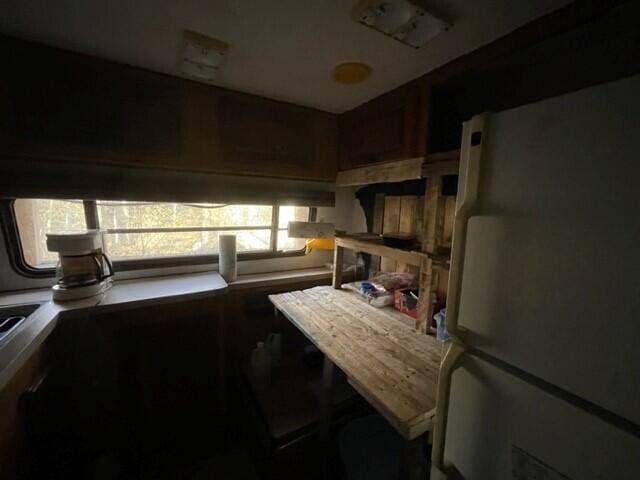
124, 294
389, 363
16, 349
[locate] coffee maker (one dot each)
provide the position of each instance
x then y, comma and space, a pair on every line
83, 269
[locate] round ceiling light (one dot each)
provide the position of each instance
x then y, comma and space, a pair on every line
351, 73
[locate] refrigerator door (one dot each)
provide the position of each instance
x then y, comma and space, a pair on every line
551, 279
503, 428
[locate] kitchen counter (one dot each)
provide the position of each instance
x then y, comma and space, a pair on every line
125, 294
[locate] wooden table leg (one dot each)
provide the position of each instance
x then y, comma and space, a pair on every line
413, 459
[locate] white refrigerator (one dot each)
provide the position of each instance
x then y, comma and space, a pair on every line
543, 381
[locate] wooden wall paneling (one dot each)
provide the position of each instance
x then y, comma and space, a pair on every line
390, 224
377, 225
419, 223
449, 217
425, 300
434, 214
407, 223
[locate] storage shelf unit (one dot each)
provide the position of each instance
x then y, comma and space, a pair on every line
410, 257
442, 163
433, 259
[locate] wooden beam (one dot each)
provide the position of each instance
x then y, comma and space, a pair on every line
407, 222
434, 215
437, 157
449, 167
338, 266
390, 224
398, 171
409, 257
378, 217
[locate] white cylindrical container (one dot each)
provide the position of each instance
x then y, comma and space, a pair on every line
227, 259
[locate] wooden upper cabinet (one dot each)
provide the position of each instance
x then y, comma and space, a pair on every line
276, 138
63, 106
236, 133
66, 106
390, 127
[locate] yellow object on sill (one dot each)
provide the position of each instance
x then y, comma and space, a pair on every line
320, 244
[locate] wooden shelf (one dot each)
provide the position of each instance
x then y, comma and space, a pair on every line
398, 171
441, 163
410, 257
438, 157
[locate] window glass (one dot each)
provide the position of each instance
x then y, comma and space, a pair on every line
37, 217
144, 229
118, 215
290, 214
164, 244
136, 230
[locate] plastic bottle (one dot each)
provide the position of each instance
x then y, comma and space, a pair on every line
260, 367
441, 328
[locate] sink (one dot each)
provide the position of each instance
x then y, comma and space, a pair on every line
12, 316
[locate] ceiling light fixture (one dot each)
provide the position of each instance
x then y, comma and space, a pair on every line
202, 55
402, 20
351, 73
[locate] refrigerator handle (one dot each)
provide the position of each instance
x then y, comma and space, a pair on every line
468, 181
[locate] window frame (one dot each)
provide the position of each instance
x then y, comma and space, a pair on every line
19, 264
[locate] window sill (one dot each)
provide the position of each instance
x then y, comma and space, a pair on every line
256, 280
126, 294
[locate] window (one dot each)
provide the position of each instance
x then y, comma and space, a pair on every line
147, 234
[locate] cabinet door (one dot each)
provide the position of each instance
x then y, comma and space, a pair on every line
265, 137
72, 107
390, 127
65, 106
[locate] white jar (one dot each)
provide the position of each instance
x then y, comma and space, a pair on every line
227, 258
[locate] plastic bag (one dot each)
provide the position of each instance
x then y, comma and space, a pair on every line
395, 280
375, 294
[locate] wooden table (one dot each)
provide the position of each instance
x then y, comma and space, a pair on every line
393, 366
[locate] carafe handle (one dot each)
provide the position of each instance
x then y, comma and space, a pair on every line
98, 257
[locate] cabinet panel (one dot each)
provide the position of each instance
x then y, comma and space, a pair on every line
69, 106
72, 107
390, 127
274, 138
263, 135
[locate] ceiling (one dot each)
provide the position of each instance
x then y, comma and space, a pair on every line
283, 49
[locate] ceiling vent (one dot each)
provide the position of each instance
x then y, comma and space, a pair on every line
202, 55
403, 20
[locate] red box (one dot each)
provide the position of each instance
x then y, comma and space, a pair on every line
405, 302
